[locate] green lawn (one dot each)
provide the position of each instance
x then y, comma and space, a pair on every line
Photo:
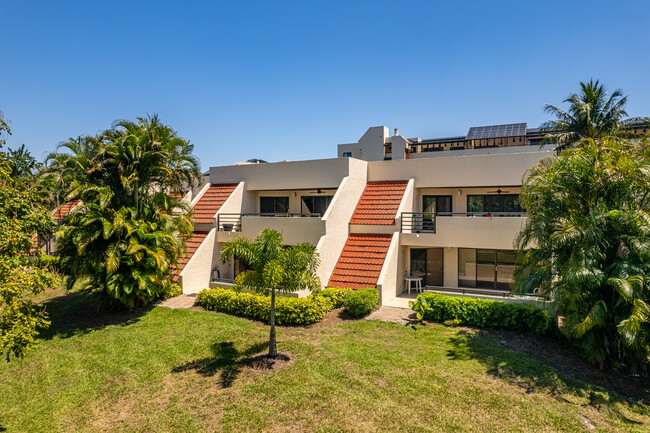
176, 370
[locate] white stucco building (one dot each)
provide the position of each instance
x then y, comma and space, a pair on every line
387, 208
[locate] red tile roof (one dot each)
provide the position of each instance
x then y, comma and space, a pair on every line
211, 202
361, 260
60, 213
379, 203
192, 244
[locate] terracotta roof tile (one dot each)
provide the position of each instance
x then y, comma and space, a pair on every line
361, 261
379, 202
64, 210
191, 245
211, 201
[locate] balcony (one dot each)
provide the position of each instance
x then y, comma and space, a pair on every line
295, 227
496, 230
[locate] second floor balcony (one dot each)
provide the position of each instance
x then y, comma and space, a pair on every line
295, 227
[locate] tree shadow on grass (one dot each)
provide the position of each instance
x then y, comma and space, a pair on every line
227, 361
536, 376
77, 313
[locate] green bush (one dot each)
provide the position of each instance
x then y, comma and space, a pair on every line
482, 313
288, 311
361, 302
170, 290
336, 295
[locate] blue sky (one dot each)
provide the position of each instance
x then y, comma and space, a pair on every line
290, 80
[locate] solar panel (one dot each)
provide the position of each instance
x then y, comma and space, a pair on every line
497, 131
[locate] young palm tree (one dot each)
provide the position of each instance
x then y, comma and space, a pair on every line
592, 114
129, 231
589, 224
273, 268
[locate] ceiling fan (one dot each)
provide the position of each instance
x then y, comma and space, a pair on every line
498, 191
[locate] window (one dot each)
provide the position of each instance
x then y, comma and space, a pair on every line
436, 203
274, 205
347, 154
316, 204
494, 203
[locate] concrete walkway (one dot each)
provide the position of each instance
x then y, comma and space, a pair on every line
182, 301
403, 316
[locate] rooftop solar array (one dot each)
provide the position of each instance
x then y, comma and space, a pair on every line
497, 131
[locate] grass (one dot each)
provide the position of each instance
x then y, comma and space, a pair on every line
177, 370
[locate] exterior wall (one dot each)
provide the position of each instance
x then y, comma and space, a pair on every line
459, 171
288, 175
370, 146
196, 274
469, 232
294, 229
388, 280
336, 223
235, 202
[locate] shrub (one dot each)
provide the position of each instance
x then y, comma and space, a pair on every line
361, 302
482, 313
336, 295
288, 311
170, 290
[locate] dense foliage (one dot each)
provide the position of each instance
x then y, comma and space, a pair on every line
592, 114
273, 268
361, 301
288, 310
336, 295
589, 223
21, 220
483, 313
129, 230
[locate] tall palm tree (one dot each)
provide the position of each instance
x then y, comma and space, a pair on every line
592, 114
129, 230
273, 268
589, 227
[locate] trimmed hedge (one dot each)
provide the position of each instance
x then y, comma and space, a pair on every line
361, 301
482, 313
288, 311
336, 295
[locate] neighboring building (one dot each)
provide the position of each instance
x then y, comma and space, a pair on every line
392, 209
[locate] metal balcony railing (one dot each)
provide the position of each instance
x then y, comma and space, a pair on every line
418, 222
231, 222
421, 222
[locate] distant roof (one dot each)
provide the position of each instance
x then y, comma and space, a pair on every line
256, 161
497, 131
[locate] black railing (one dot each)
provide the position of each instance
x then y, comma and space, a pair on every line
231, 222
418, 222
422, 222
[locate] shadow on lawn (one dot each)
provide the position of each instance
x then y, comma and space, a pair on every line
77, 313
532, 375
227, 361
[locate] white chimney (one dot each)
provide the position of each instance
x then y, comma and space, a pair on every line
396, 132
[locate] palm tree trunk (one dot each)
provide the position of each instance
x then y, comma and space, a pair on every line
273, 349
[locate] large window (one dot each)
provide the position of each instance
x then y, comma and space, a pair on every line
493, 203
316, 204
274, 205
488, 269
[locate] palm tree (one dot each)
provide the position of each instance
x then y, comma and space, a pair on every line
592, 114
273, 268
589, 225
129, 230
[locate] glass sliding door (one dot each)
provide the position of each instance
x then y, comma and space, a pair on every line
467, 267
428, 264
485, 269
506, 262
